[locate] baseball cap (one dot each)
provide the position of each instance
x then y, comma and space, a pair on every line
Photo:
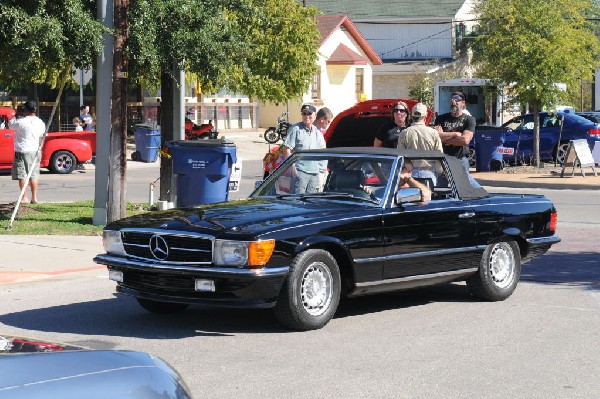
419, 110
30, 106
309, 108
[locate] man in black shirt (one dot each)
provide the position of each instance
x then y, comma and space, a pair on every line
456, 131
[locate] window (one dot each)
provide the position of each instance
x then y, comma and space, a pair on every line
315, 88
359, 84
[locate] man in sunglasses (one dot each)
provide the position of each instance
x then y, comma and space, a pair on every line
456, 130
305, 136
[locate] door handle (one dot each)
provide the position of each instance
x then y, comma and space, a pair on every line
466, 215
6, 134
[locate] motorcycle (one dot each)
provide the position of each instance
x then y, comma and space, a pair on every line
273, 134
199, 132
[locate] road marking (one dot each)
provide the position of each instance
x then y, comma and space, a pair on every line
18, 276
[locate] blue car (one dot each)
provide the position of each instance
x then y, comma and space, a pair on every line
554, 139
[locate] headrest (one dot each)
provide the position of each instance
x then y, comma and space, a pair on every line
341, 179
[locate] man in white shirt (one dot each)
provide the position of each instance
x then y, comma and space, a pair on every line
28, 131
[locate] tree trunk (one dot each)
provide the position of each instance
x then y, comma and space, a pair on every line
535, 161
167, 133
117, 188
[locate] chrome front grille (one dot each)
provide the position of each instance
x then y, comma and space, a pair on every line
180, 248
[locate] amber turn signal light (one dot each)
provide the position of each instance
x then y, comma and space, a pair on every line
259, 252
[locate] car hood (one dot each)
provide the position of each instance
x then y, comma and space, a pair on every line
89, 374
251, 216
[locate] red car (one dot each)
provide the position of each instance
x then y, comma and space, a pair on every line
61, 153
358, 125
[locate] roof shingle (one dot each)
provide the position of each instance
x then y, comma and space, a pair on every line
379, 9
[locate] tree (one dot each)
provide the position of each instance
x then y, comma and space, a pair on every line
531, 45
266, 49
256, 47
40, 39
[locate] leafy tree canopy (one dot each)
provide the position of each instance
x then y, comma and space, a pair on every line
41, 38
532, 45
256, 47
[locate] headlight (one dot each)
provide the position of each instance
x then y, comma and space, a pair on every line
111, 239
241, 253
231, 253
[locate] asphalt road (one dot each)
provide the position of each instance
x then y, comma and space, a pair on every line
437, 342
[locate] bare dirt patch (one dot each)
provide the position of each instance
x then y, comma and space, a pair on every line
7, 209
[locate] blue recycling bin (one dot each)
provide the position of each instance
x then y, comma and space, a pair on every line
147, 143
487, 156
203, 168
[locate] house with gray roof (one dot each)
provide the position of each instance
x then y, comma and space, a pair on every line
410, 37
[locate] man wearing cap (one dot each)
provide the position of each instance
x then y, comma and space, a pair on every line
305, 136
419, 136
28, 131
456, 131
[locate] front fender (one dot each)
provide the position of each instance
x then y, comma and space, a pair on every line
317, 242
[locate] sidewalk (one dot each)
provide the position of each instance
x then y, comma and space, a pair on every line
549, 180
30, 258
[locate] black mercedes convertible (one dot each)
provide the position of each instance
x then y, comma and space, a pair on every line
327, 224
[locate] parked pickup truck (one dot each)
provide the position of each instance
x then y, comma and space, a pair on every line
61, 153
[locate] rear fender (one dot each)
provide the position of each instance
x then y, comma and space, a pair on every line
80, 148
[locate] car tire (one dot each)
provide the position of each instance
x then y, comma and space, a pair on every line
62, 162
560, 152
136, 156
271, 135
311, 293
161, 307
499, 272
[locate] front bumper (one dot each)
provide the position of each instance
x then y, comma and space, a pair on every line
168, 283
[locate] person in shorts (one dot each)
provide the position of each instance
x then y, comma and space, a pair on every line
29, 130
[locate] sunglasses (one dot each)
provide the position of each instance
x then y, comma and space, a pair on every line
307, 113
456, 99
400, 111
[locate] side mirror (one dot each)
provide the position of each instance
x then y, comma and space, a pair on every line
408, 195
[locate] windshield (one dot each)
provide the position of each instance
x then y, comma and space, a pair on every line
345, 177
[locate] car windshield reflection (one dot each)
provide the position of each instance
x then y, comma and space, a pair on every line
314, 176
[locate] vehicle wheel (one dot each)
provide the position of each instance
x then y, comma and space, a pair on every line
271, 136
471, 157
498, 273
560, 152
62, 162
136, 156
161, 307
311, 292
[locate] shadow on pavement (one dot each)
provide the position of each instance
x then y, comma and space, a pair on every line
122, 316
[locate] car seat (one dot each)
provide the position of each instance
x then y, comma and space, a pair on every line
345, 179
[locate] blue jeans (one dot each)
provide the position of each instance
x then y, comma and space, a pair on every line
424, 174
465, 162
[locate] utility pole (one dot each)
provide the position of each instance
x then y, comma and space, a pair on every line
103, 113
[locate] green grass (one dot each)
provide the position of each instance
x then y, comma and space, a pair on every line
73, 218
